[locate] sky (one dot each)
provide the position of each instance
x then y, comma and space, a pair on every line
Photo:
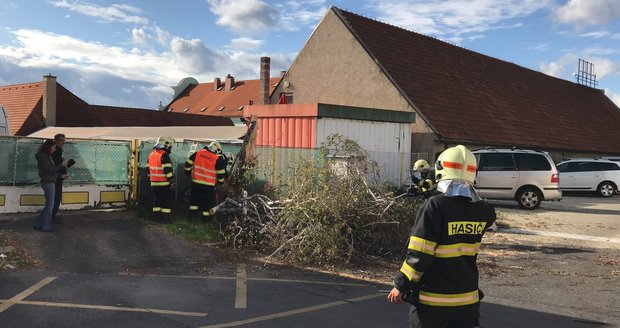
130, 53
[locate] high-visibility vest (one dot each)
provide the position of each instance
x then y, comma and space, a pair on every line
204, 171
156, 169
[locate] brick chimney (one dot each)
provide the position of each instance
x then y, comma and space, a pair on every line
49, 100
263, 87
229, 82
217, 83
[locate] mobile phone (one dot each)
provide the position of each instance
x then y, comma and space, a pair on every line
70, 163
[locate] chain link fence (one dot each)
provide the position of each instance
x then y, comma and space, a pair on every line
97, 161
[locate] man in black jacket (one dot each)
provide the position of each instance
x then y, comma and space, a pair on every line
439, 274
62, 175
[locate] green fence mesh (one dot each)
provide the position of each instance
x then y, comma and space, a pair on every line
97, 162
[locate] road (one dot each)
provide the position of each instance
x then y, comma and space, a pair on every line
109, 269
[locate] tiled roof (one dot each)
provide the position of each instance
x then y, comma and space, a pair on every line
470, 97
23, 105
196, 97
69, 106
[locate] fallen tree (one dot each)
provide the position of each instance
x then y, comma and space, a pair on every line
332, 210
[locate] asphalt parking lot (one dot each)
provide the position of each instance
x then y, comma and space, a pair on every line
109, 269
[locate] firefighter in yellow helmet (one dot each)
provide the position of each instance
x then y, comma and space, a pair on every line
439, 276
161, 177
206, 169
423, 179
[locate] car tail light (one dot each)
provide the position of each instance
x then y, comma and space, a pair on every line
555, 178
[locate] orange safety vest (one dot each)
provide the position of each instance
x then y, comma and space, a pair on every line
156, 170
204, 171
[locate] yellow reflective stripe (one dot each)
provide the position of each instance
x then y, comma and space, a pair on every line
157, 175
206, 213
436, 299
169, 175
157, 184
166, 210
204, 169
193, 208
189, 161
203, 182
410, 272
188, 169
167, 165
422, 245
210, 177
222, 171
456, 250
156, 209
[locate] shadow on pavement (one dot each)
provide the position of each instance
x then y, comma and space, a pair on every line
539, 248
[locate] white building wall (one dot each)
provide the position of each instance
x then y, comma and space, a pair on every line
387, 143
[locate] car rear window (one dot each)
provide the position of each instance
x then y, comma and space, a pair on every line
496, 162
532, 162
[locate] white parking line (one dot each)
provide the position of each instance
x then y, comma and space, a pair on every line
241, 295
560, 234
248, 278
19, 297
294, 312
113, 308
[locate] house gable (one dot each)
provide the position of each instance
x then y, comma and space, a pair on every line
23, 107
333, 67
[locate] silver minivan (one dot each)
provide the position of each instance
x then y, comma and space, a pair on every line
526, 176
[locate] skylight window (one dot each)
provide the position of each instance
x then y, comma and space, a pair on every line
240, 108
203, 109
186, 109
220, 88
170, 109
221, 108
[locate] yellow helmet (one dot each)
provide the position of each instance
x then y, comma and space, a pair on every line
215, 147
164, 142
421, 165
456, 163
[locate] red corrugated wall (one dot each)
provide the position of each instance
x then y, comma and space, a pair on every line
287, 126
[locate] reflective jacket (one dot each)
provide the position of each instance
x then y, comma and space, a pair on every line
160, 168
206, 167
440, 266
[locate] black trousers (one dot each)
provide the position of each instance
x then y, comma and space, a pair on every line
420, 320
202, 199
57, 197
162, 203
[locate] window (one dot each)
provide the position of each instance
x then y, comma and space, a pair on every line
609, 166
203, 109
186, 109
496, 162
587, 166
532, 162
567, 167
221, 108
240, 108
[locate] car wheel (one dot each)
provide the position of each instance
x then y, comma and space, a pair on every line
529, 198
606, 189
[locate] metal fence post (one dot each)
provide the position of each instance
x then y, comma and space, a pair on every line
135, 148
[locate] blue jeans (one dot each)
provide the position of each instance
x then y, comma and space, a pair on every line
44, 221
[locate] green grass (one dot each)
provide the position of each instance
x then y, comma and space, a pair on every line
195, 230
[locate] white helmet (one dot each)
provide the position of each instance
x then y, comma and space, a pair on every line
421, 165
456, 163
164, 142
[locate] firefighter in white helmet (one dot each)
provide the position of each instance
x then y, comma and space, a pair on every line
439, 275
161, 177
423, 179
207, 169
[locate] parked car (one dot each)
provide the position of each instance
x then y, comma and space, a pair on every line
582, 174
526, 176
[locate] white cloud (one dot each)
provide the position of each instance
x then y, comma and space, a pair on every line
615, 97
113, 13
566, 66
244, 16
540, 47
245, 43
588, 12
595, 34
147, 72
139, 36
450, 19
